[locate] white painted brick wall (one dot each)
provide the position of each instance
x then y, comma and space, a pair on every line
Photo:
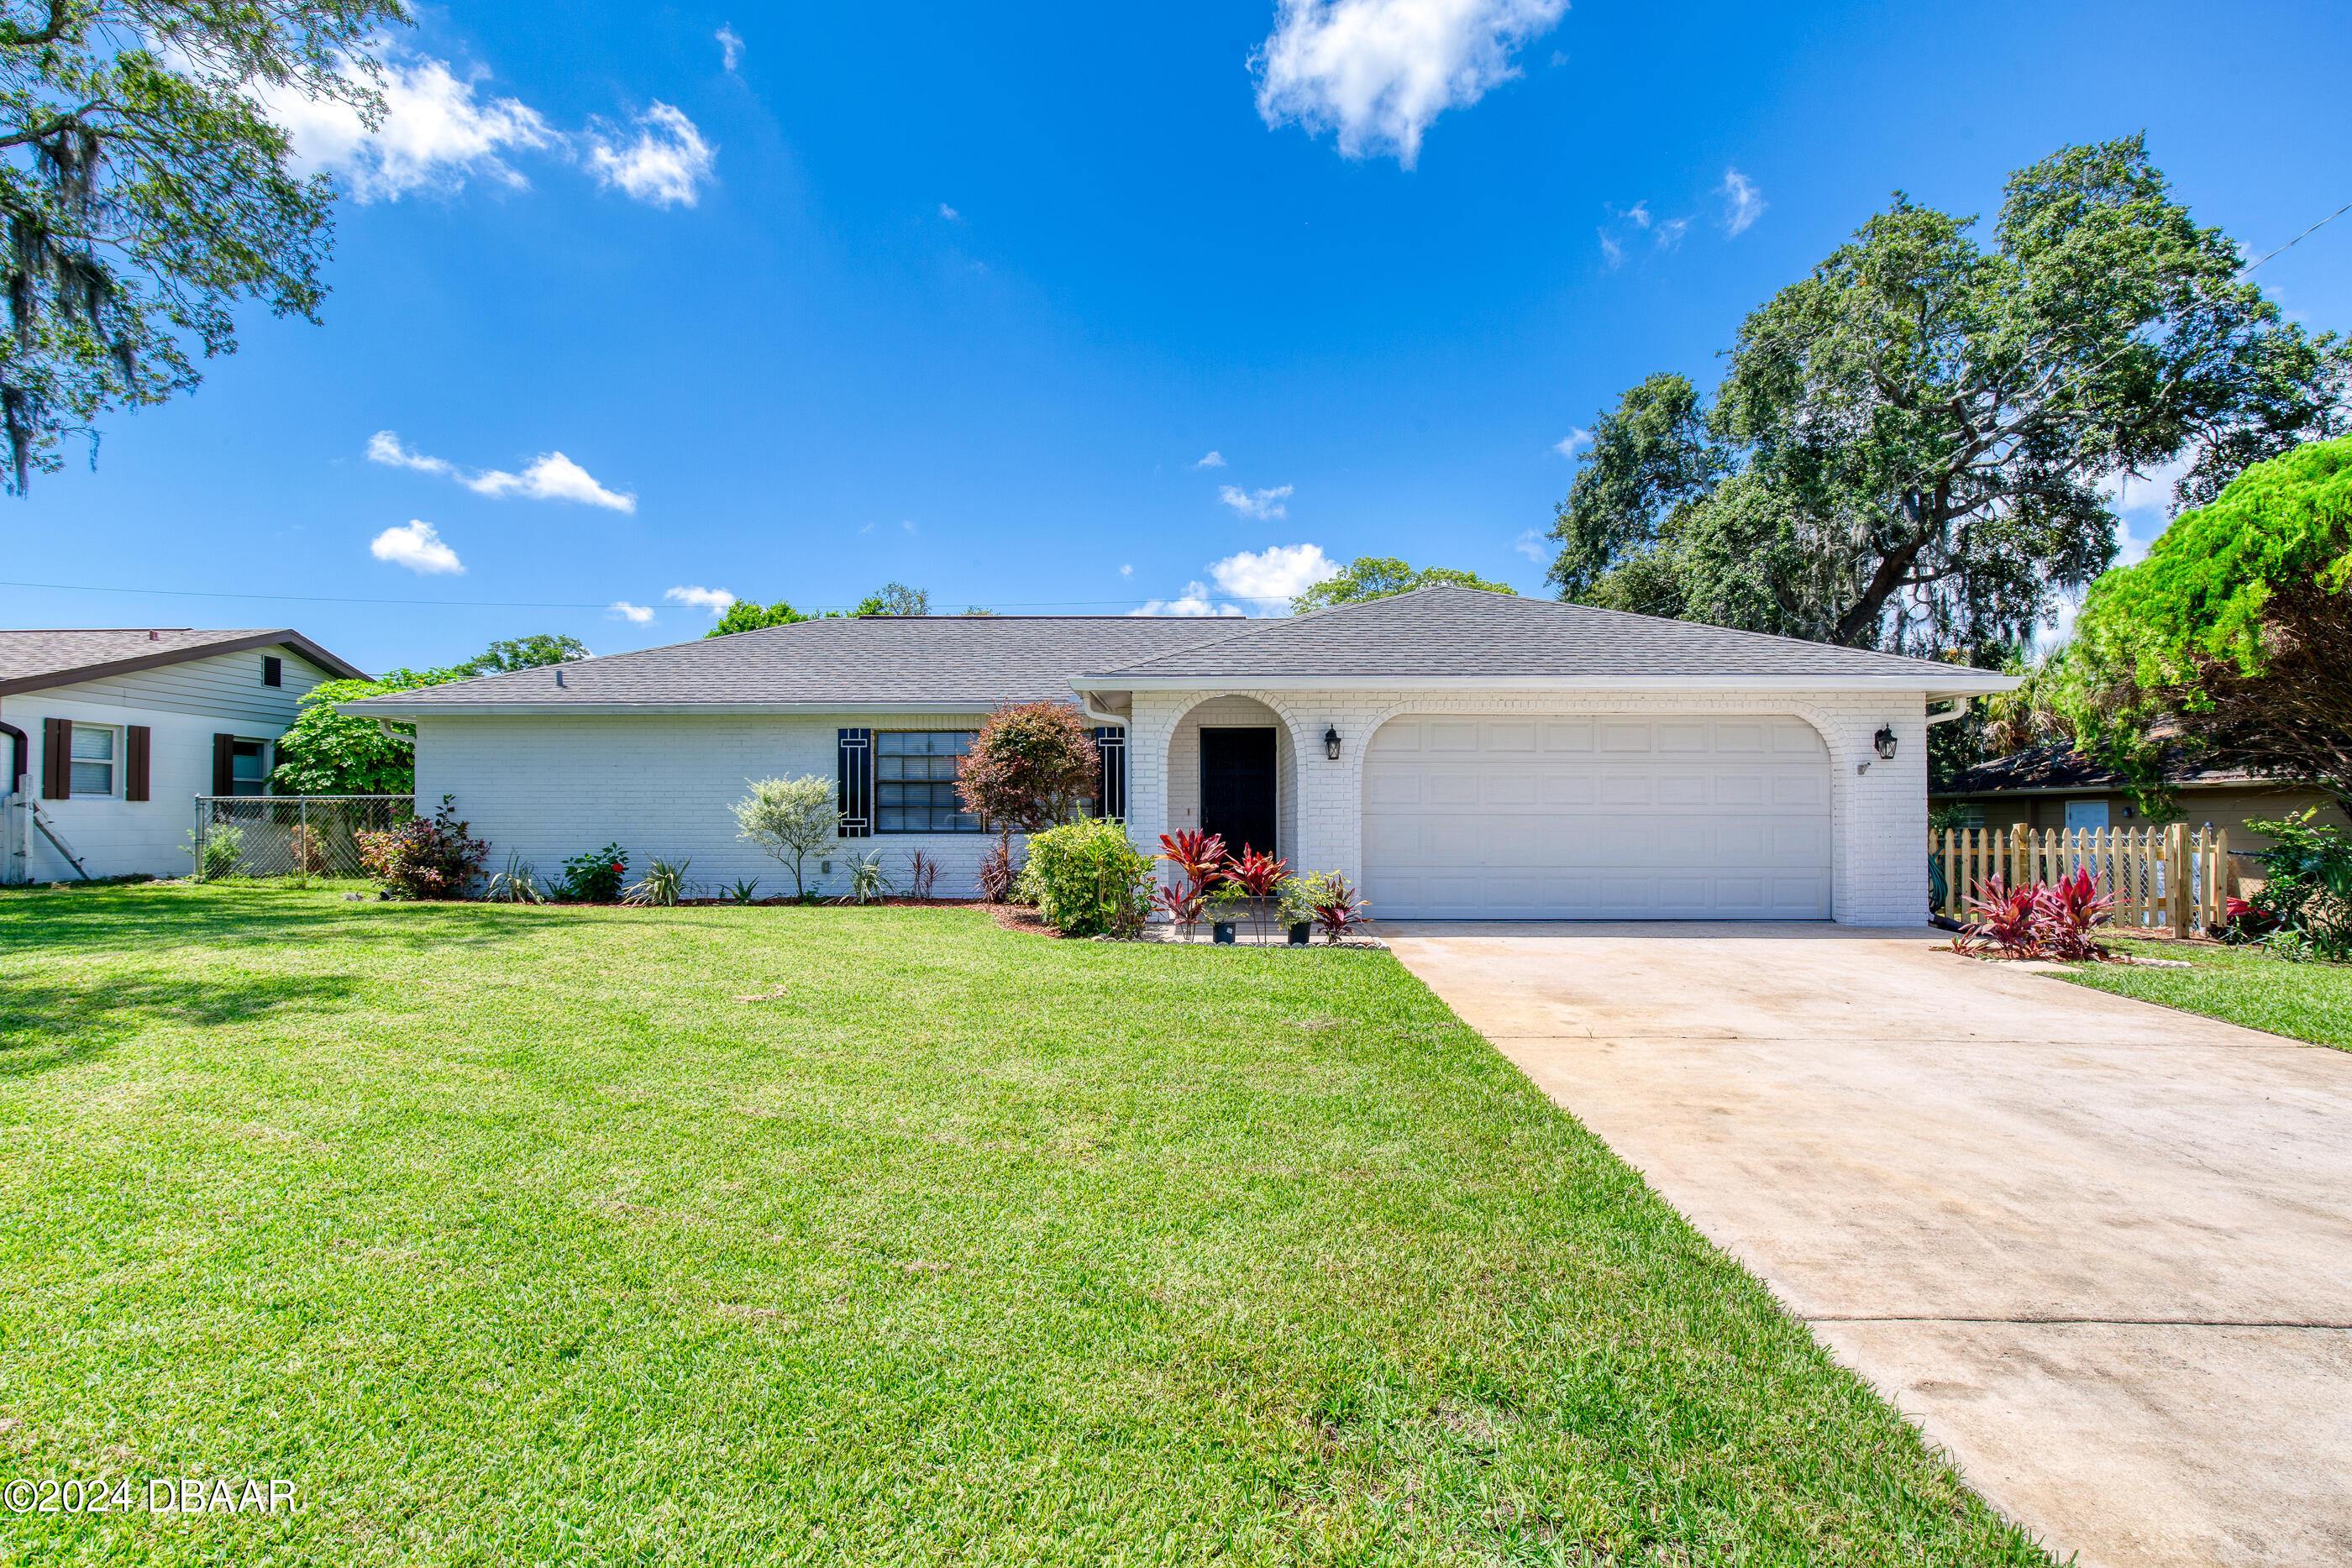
1877, 819
661, 786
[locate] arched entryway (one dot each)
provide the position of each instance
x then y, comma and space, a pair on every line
1232, 770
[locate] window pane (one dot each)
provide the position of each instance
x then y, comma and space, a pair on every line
91, 778
93, 743
245, 761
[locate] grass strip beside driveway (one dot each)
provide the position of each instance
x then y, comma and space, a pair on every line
2236, 984
510, 1234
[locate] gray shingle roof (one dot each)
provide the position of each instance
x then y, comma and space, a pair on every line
34, 660
1466, 633
972, 661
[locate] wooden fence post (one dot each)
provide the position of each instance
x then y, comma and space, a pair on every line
2176, 861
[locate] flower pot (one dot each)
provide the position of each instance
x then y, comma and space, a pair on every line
1299, 931
1223, 931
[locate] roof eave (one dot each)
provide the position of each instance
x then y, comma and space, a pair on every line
390, 706
339, 668
1935, 685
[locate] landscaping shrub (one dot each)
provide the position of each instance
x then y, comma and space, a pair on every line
998, 880
595, 877
518, 884
663, 887
867, 882
2043, 920
1331, 902
216, 853
922, 871
425, 857
1087, 880
2307, 889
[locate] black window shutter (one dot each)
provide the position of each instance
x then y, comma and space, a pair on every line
56, 758
223, 765
135, 778
855, 795
273, 671
1111, 774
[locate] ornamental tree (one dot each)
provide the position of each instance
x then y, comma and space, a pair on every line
1911, 445
791, 819
2233, 638
1030, 768
747, 615
147, 193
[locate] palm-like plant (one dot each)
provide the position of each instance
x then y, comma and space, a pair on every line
1258, 875
1199, 857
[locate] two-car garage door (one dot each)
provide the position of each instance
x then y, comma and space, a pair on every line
1599, 818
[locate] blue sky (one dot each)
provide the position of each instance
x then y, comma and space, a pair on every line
810, 299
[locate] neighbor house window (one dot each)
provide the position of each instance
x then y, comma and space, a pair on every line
273, 671
248, 767
96, 749
914, 781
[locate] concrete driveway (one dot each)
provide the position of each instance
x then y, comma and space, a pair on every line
2099, 1251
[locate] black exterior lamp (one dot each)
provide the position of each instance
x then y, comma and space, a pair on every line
1331, 742
1885, 741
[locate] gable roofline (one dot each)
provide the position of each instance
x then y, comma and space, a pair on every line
1954, 683
284, 637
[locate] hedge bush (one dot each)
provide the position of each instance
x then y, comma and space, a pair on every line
1087, 880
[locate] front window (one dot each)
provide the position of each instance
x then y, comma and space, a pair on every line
93, 759
914, 781
248, 767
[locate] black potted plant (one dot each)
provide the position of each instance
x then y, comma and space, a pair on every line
1298, 910
1225, 903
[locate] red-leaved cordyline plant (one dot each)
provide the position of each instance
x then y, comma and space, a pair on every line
1259, 874
1198, 856
2072, 909
1337, 907
2006, 919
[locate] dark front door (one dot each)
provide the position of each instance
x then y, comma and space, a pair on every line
1237, 788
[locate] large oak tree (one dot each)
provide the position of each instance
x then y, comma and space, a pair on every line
1910, 447
146, 194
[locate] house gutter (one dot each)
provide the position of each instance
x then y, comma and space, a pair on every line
1935, 688
408, 713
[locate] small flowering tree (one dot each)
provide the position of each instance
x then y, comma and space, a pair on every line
791, 819
1029, 769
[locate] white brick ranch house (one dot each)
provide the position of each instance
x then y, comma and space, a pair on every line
1460, 754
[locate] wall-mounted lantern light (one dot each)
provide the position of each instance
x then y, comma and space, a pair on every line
1331, 742
1885, 741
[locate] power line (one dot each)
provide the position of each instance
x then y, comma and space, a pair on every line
2298, 239
472, 603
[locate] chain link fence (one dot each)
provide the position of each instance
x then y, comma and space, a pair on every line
289, 835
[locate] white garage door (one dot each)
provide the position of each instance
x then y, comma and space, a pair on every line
1597, 818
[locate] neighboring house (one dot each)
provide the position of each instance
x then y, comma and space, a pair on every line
1460, 754
2055, 786
116, 731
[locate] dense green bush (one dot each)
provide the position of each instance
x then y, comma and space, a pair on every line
1087, 880
425, 857
594, 877
2307, 886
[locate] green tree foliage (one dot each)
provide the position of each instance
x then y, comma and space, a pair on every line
330, 753
744, 616
1909, 448
896, 599
791, 819
532, 652
146, 194
2233, 638
1029, 768
1378, 576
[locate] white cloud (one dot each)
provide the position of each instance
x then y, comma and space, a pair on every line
715, 600
1275, 575
634, 615
1611, 251
552, 477
1213, 460
1195, 601
1570, 444
417, 547
1639, 214
907, 524
1126, 570
1670, 233
950, 213
437, 133
1379, 71
1743, 203
731, 45
668, 163
1256, 503
1530, 544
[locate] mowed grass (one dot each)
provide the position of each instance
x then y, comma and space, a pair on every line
511, 1235
2308, 1001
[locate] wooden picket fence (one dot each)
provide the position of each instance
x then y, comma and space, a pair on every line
2174, 876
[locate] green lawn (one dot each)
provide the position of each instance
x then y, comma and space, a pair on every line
509, 1235
2308, 1001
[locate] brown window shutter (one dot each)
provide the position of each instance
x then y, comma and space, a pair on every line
56, 758
223, 765
134, 781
